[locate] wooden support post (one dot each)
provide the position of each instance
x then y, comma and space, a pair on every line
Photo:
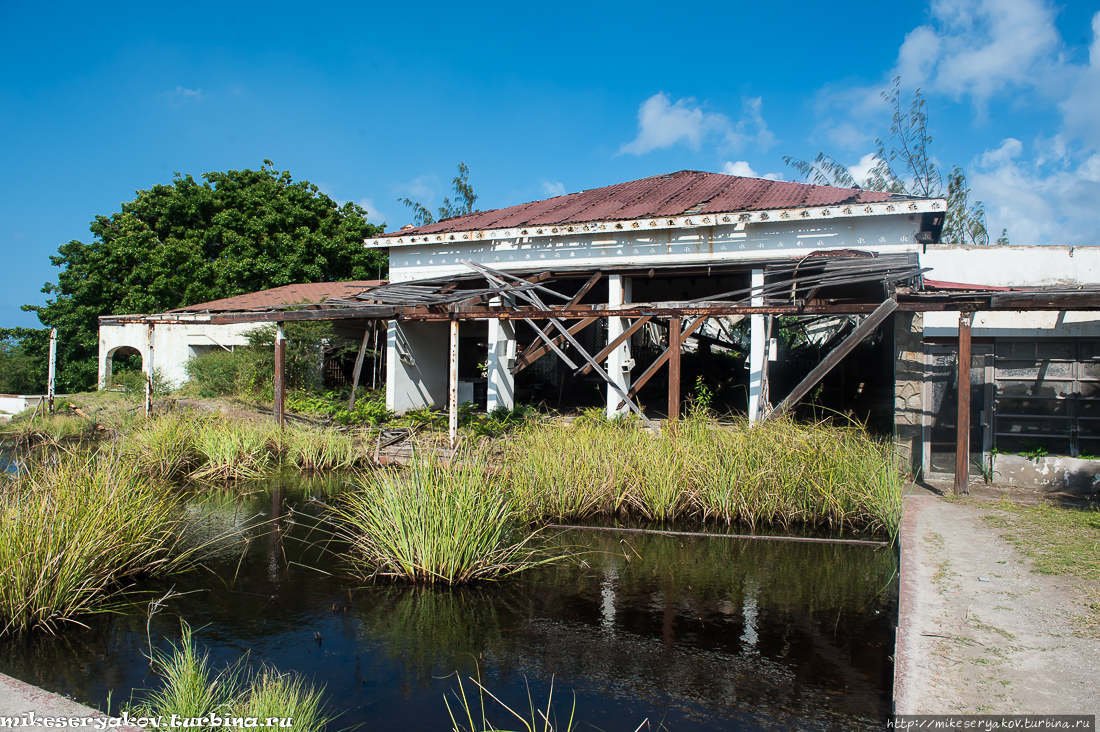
866, 328
280, 375
358, 365
962, 437
452, 395
51, 383
674, 369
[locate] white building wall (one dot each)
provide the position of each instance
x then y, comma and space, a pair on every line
174, 344
416, 365
1010, 266
734, 242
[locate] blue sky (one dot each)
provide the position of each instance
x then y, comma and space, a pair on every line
377, 101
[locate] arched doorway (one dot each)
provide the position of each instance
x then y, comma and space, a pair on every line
123, 364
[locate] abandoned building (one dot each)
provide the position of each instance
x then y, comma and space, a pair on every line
749, 295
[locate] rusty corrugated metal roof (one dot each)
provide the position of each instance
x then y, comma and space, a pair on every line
674, 194
286, 295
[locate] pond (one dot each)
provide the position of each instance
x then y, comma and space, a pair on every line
688, 633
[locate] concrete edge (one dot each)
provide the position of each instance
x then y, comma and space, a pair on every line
19, 698
905, 639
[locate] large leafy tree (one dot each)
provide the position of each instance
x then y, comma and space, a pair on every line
903, 164
188, 242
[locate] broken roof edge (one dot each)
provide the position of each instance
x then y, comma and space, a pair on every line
900, 206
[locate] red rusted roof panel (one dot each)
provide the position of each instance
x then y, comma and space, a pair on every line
286, 295
675, 194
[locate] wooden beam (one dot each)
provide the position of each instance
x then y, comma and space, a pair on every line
599, 357
674, 369
656, 365
962, 435
550, 326
280, 375
358, 365
534, 354
866, 328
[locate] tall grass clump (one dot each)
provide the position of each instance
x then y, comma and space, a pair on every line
779, 472
193, 689
434, 523
164, 446
320, 449
75, 530
236, 450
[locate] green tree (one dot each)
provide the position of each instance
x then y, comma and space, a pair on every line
463, 204
908, 148
24, 353
188, 242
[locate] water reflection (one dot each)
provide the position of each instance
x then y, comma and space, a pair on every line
697, 633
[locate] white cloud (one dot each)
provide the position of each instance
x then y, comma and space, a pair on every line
421, 188
182, 94
743, 169
977, 48
374, 216
662, 124
1038, 204
553, 188
861, 171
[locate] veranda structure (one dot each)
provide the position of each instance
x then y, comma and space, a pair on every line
679, 249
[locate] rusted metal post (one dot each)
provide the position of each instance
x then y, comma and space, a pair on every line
280, 375
962, 439
358, 365
452, 394
149, 373
51, 384
674, 369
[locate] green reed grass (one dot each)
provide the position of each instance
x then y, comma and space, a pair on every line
236, 450
164, 446
434, 523
192, 688
320, 449
779, 472
75, 530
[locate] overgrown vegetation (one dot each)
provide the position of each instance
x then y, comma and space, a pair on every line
434, 522
75, 530
778, 472
192, 689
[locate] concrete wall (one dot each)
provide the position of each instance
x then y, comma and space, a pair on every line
174, 344
1011, 266
723, 243
908, 389
417, 364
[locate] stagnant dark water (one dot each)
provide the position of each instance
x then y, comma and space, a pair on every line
694, 634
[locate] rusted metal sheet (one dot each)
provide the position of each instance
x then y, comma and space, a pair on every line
674, 194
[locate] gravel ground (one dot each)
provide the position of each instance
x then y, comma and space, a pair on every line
979, 631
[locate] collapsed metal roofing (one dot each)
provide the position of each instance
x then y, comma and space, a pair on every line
305, 292
673, 194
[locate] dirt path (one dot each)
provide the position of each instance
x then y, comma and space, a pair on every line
979, 632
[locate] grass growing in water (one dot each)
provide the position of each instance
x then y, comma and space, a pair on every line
777, 472
193, 689
319, 449
74, 530
235, 450
434, 523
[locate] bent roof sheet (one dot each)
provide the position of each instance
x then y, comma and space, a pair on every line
674, 194
312, 292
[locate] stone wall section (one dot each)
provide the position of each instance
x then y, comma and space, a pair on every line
908, 389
